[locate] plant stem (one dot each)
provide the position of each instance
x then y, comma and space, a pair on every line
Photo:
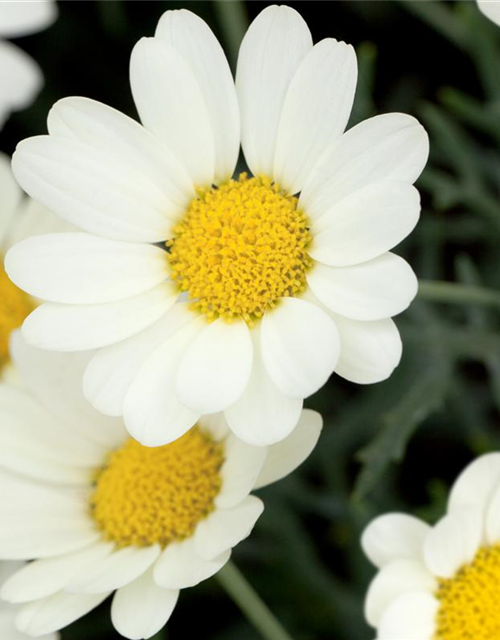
452, 293
250, 603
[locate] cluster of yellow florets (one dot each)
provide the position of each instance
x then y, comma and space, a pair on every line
470, 608
239, 248
158, 495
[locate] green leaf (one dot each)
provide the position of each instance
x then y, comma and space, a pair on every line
423, 398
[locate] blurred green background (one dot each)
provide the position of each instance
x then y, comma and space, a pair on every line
396, 445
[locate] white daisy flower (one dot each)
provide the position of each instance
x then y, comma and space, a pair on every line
20, 76
8, 612
20, 217
440, 582
261, 293
97, 512
491, 9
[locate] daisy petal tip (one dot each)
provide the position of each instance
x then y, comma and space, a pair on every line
216, 368
225, 528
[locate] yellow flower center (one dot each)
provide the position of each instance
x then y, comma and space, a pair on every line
145, 496
239, 248
15, 305
469, 602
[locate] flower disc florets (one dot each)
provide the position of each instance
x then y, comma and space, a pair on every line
157, 495
239, 248
469, 601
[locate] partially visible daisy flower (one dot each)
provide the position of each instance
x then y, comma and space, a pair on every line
20, 217
98, 513
8, 612
491, 9
20, 76
440, 582
281, 289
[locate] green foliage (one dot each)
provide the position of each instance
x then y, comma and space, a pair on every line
393, 446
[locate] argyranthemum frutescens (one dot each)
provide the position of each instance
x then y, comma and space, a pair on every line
261, 294
20, 217
98, 512
440, 582
20, 76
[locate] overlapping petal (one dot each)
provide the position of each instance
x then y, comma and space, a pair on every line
300, 347
315, 111
171, 104
270, 54
389, 147
194, 40
377, 289
80, 268
64, 327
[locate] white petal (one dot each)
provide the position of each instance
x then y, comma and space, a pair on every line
171, 104
42, 578
32, 432
21, 496
369, 351
477, 483
394, 536
300, 347
142, 608
194, 40
32, 220
55, 379
8, 628
216, 367
79, 268
491, 9
315, 111
8, 569
493, 518
61, 327
108, 130
92, 189
112, 369
179, 566
115, 571
56, 611
412, 616
366, 224
393, 146
395, 579
11, 196
151, 410
242, 466
453, 541
24, 18
42, 537
25, 498
223, 529
380, 288
271, 51
285, 456
32, 441
20, 79
262, 415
